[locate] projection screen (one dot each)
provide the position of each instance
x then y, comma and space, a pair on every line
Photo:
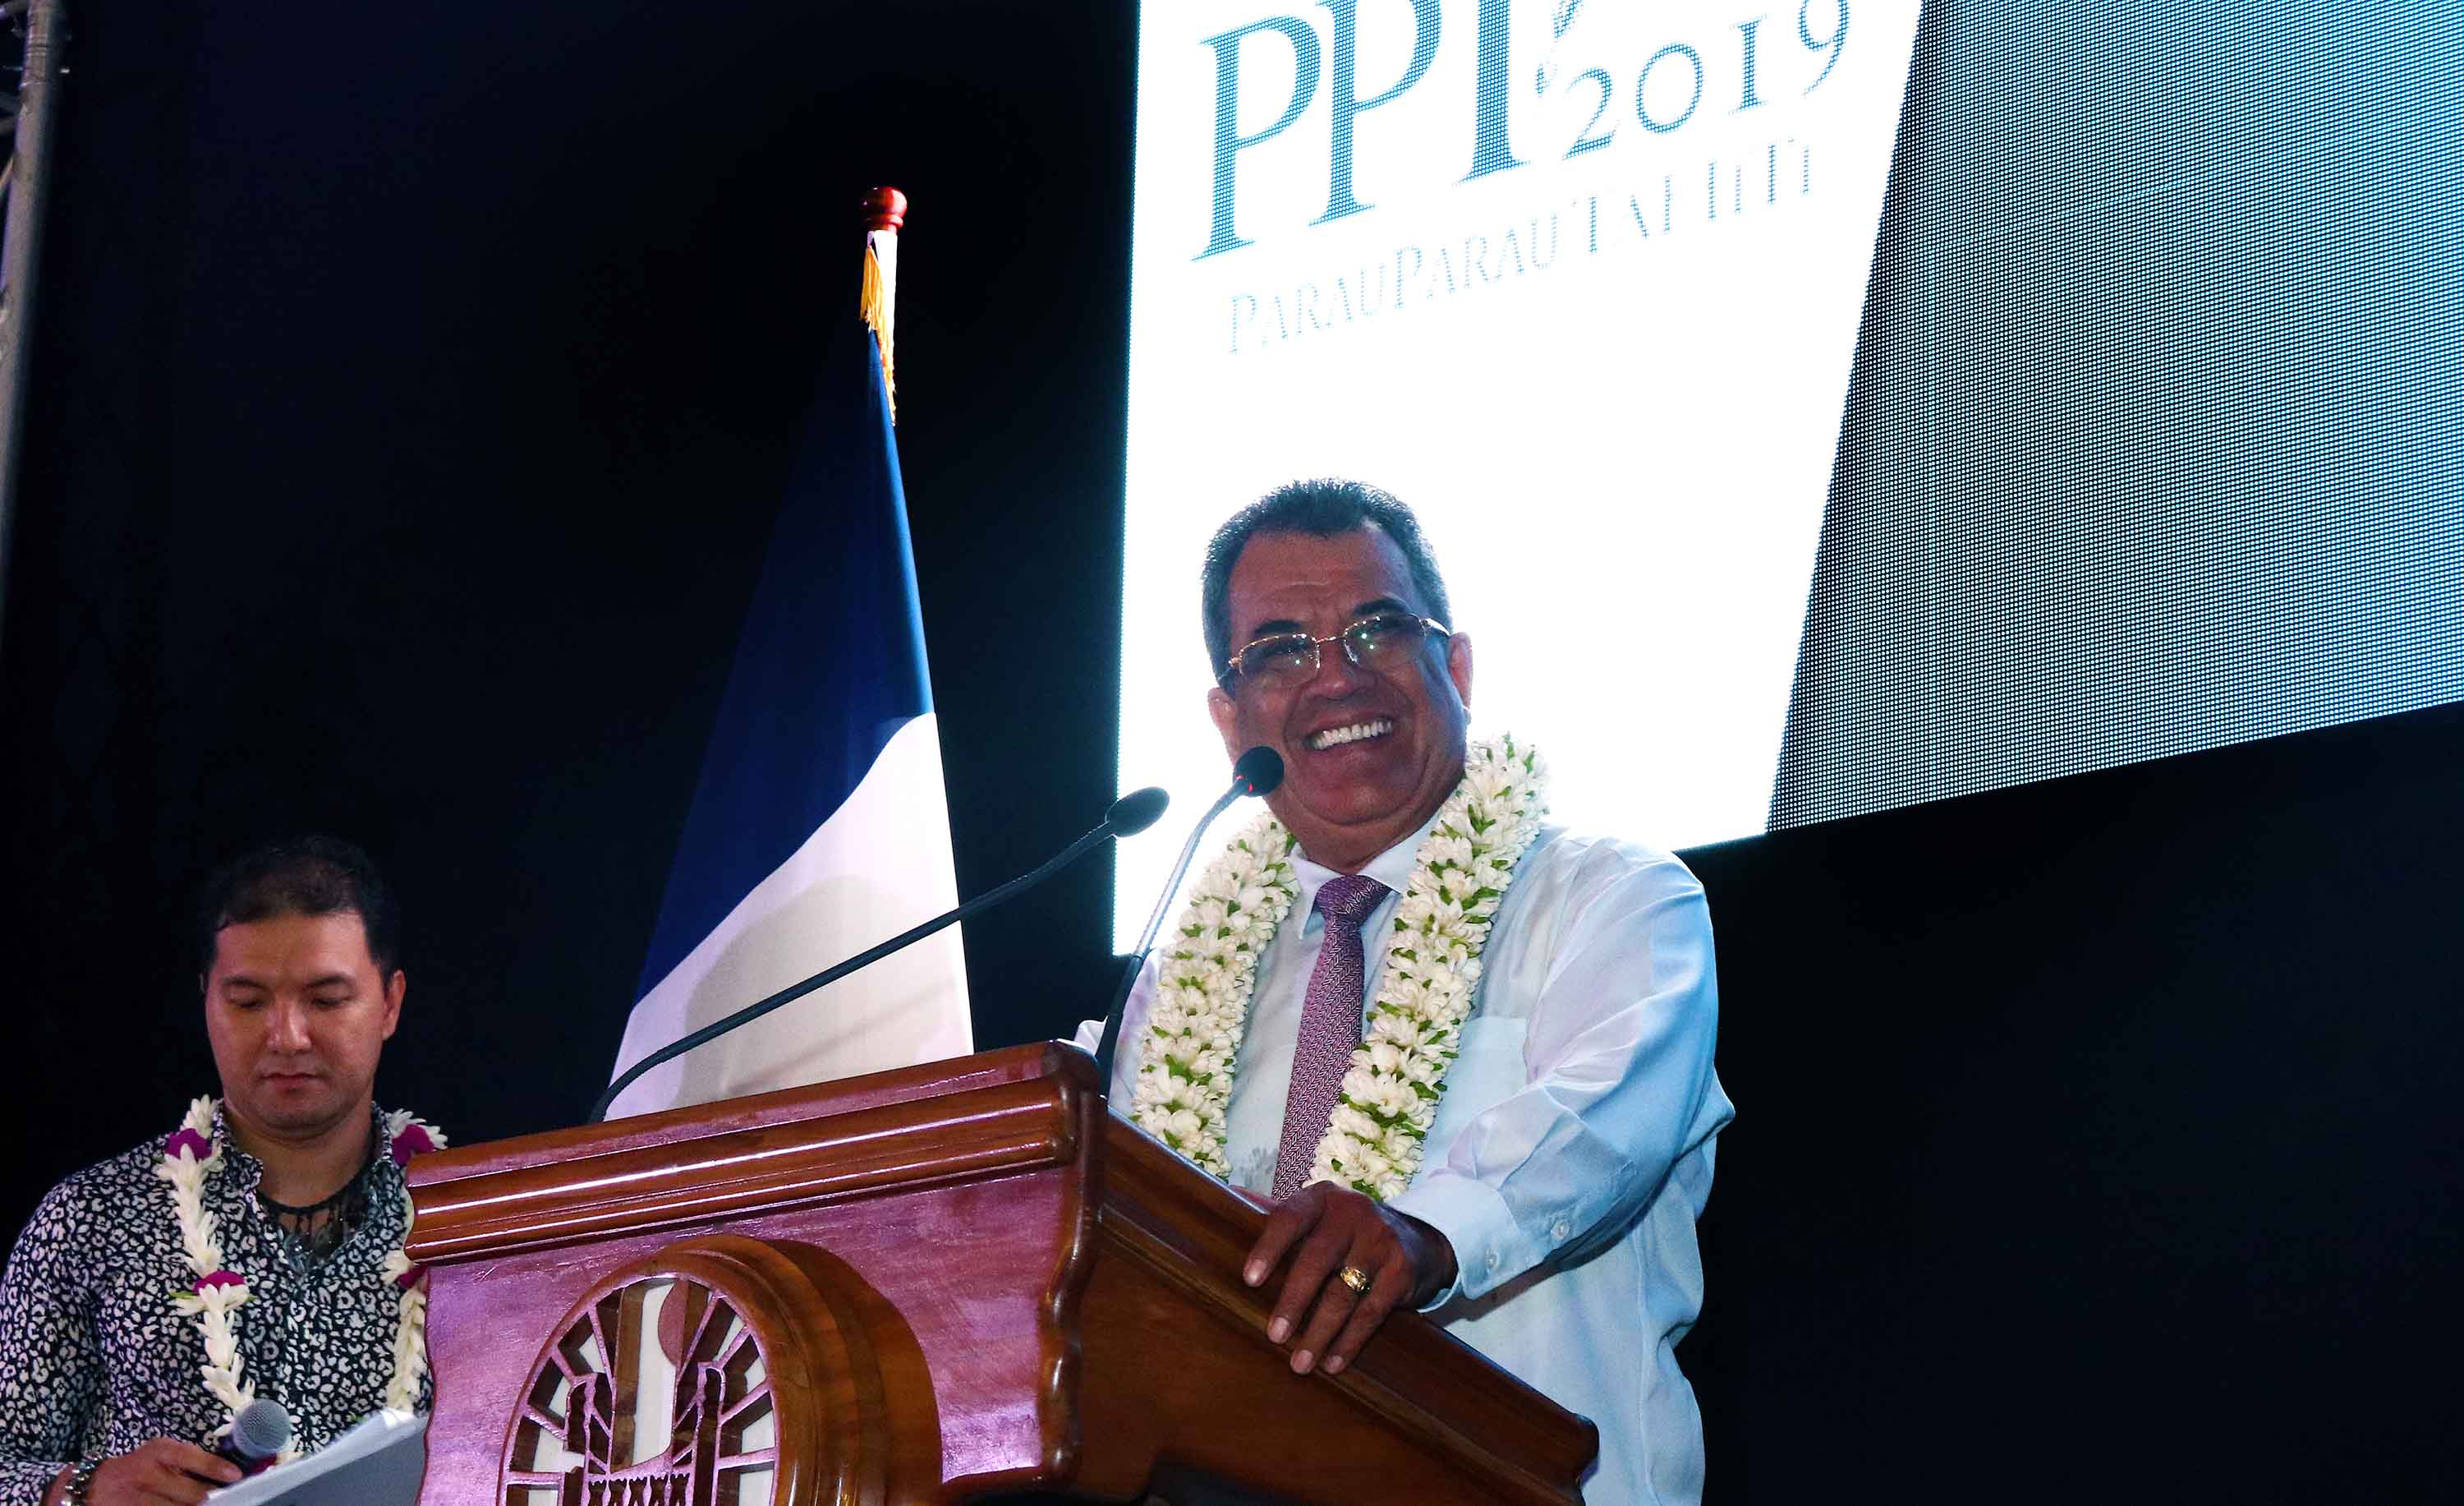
1580, 281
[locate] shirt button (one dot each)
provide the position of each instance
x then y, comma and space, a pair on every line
1560, 1230
1492, 1257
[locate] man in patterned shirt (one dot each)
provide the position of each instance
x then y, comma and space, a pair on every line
103, 1392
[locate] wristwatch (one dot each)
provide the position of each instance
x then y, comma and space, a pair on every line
78, 1479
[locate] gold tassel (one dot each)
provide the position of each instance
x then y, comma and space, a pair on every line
876, 317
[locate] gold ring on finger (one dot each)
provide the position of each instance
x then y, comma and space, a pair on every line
1355, 1278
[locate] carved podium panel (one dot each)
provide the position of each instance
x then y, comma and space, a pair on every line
917, 1286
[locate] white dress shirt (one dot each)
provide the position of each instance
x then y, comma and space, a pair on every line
1571, 1152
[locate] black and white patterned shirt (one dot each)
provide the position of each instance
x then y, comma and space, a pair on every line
95, 1359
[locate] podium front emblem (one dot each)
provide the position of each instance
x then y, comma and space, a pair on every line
687, 1380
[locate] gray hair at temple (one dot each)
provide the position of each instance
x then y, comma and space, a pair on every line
1322, 508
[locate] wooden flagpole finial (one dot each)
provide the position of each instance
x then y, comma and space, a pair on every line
885, 208
885, 212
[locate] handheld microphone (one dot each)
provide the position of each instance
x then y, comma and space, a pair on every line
1129, 815
258, 1433
1256, 772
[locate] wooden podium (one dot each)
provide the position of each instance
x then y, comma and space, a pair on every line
919, 1286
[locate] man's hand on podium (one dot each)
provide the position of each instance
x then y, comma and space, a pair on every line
158, 1470
1353, 1262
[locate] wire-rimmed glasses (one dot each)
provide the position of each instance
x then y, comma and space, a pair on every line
1379, 641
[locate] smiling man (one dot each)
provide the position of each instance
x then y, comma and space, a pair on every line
251, 1250
1466, 1058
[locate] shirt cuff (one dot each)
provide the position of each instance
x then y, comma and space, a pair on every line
1489, 1247
24, 1482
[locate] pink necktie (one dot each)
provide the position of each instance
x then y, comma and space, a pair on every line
1330, 1028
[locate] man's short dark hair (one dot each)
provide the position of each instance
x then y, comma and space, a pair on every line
307, 876
1322, 508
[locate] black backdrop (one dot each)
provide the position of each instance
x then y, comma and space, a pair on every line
414, 400
412, 395
2096, 1139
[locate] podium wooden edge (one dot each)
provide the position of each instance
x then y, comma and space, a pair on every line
891, 1131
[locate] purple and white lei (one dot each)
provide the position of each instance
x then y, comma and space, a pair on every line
215, 1298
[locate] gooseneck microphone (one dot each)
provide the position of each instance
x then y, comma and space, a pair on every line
257, 1433
1129, 815
1256, 772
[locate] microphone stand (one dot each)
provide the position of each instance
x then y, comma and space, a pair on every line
832, 974
1243, 782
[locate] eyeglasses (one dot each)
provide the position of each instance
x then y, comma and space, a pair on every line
1379, 641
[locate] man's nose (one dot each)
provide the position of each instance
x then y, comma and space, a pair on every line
1337, 674
290, 1032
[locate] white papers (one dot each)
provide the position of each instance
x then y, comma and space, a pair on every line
377, 1463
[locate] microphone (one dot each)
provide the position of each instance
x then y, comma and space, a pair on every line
1137, 810
1261, 767
257, 1434
1256, 772
1129, 815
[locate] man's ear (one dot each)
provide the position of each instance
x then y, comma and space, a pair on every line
1227, 717
395, 987
1459, 665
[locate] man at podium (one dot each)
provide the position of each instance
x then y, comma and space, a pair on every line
1466, 1058
253, 1251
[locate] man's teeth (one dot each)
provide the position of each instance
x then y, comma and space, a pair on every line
1333, 737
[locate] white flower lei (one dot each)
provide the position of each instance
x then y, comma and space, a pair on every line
218, 1293
1374, 1139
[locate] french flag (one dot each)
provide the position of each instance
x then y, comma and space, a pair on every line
819, 826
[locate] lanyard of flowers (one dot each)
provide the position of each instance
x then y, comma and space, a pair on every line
1374, 1137
214, 1299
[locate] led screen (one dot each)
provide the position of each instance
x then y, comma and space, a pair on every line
1581, 282
2156, 439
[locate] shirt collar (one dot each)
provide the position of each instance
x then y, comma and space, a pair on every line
246, 1171
1392, 868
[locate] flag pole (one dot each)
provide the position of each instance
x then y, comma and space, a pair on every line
885, 212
